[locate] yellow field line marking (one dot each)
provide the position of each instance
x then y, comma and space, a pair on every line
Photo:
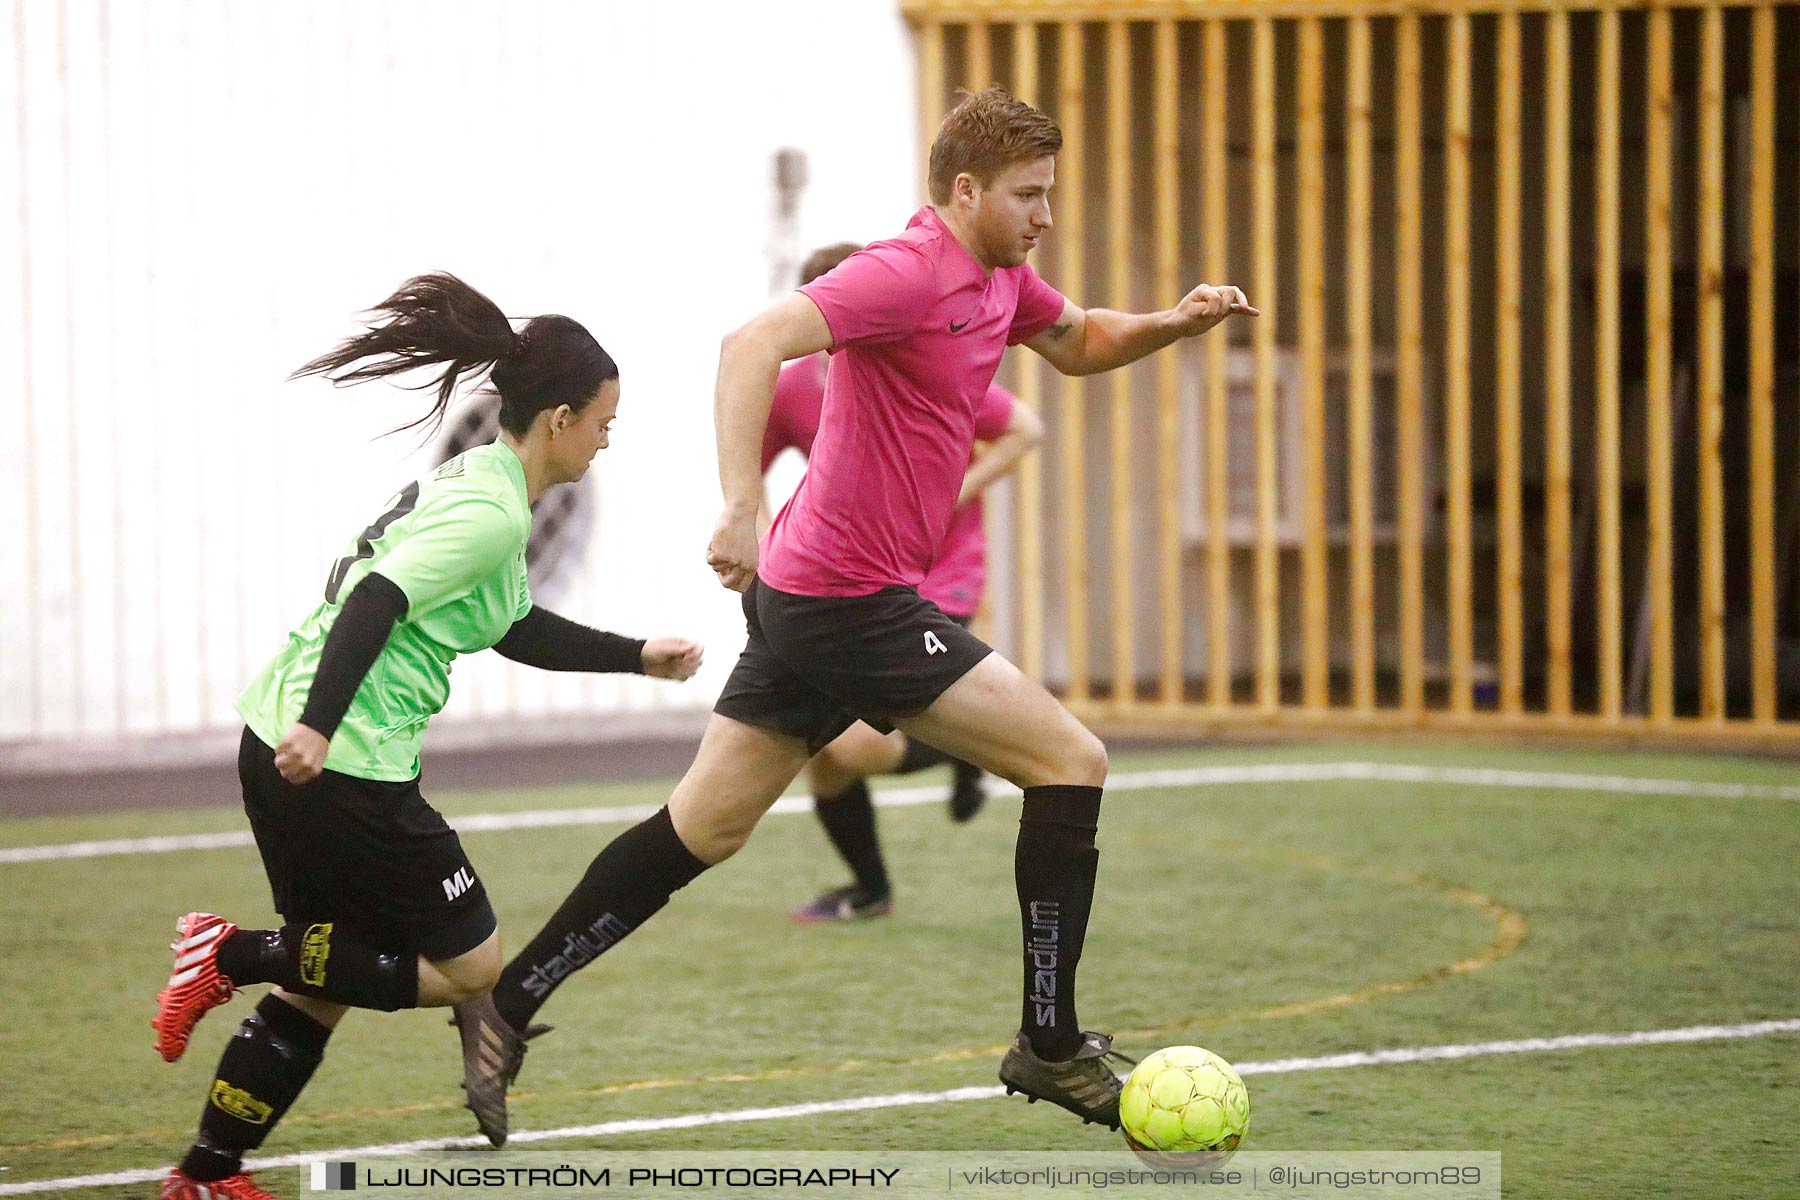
1510, 932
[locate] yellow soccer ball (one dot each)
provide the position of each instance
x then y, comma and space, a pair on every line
1184, 1106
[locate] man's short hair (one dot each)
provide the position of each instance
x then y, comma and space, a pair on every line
825, 258
987, 132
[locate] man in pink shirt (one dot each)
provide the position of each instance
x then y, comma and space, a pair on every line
838, 630
1008, 430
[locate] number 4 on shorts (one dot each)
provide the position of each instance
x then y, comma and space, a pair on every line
934, 644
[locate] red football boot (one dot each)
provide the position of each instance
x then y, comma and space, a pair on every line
236, 1187
195, 985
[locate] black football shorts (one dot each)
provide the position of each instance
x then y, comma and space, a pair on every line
815, 665
365, 855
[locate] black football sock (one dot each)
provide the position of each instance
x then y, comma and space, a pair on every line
917, 756
1054, 867
317, 960
849, 821
627, 883
264, 1067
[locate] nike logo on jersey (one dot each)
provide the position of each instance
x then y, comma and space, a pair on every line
934, 644
955, 328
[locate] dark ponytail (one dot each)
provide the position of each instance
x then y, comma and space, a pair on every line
438, 319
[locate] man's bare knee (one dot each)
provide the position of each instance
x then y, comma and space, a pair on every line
1079, 759
711, 832
714, 837
740, 771
1093, 761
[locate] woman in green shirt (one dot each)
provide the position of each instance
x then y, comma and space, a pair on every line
382, 908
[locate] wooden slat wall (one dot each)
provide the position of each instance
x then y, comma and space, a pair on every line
980, 71
931, 91
1268, 466
1456, 364
1762, 365
1608, 620
1168, 407
1357, 236
1072, 113
1119, 277
959, 11
1305, 511
1031, 391
1557, 427
1409, 304
1658, 254
1510, 592
1217, 225
1711, 419
1316, 650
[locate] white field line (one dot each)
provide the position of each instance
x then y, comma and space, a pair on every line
1282, 1066
1131, 781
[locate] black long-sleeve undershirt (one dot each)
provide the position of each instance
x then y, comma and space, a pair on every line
550, 642
351, 648
539, 639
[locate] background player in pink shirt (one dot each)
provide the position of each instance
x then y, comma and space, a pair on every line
1006, 430
838, 630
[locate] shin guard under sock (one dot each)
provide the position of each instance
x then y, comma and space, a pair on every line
627, 883
1054, 867
317, 960
264, 1067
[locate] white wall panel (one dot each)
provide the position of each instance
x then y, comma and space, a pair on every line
198, 197
18, 659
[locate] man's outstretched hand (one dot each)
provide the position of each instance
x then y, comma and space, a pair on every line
1207, 305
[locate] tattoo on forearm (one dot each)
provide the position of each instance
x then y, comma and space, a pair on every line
1059, 330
